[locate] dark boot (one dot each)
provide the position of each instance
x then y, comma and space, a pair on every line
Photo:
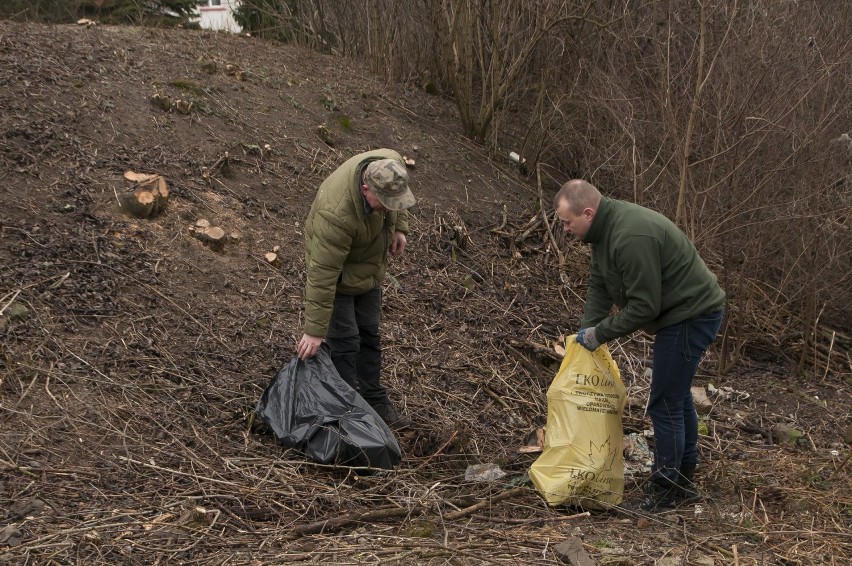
686, 491
657, 497
391, 417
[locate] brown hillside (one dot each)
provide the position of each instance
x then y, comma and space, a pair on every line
132, 351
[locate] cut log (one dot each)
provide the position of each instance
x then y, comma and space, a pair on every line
213, 237
147, 196
271, 258
138, 203
161, 101
183, 106
235, 72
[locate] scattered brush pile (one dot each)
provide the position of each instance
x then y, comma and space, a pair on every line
139, 448
132, 352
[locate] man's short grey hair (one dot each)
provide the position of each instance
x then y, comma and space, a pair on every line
579, 195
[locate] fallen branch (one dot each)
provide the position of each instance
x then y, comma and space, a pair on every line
499, 400
536, 521
333, 523
843, 465
485, 503
560, 256
10, 301
439, 450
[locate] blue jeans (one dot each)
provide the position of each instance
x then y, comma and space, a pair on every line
353, 337
677, 350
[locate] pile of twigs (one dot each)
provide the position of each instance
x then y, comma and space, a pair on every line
135, 447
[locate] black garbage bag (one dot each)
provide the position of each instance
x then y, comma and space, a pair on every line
310, 408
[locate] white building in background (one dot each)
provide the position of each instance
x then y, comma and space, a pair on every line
218, 15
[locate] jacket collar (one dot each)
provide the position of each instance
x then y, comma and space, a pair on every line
600, 222
361, 205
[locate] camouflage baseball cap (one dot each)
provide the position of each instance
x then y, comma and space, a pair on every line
388, 178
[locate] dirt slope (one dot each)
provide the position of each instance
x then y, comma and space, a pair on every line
131, 354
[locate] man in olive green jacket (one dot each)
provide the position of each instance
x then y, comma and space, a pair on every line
646, 266
359, 215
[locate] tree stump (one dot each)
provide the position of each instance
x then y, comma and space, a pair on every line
272, 259
211, 236
214, 237
147, 195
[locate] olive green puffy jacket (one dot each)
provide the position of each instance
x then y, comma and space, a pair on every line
346, 248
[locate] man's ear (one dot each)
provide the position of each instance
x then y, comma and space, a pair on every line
589, 213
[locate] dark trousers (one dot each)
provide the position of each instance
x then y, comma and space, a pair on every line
353, 336
677, 350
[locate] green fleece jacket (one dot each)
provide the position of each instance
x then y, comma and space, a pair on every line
346, 244
645, 265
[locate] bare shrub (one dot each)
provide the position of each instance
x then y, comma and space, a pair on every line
144, 12
725, 116
722, 114
479, 51
389, 37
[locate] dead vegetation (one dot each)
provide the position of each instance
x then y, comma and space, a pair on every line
131, 354
728, 116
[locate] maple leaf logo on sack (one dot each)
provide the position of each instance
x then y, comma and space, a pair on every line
605, 448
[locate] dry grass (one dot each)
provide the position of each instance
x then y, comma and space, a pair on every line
160, 466
127, 388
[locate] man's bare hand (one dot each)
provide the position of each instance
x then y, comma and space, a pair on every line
397, 244
308, 346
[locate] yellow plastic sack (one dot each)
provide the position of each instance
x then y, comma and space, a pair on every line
582, 462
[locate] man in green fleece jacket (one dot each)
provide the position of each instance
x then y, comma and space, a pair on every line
647, 268
359, 215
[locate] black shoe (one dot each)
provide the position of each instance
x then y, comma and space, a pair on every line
685, 494
686, 491
656, 498
391, 417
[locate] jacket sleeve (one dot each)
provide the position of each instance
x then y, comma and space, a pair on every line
331, 244
598, 301
639, 264
401, 224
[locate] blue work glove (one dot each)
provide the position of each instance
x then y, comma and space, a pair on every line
586, 339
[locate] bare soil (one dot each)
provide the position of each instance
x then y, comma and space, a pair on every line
132, 353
